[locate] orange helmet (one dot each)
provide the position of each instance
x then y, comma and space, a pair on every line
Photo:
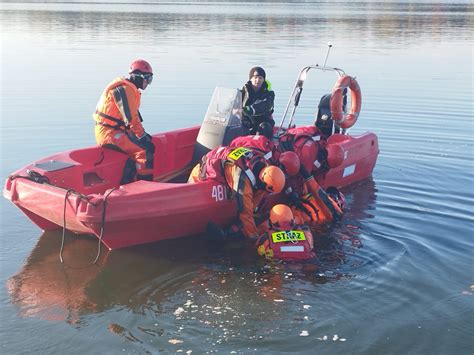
140, 65
280, 215
290, 163
273, 178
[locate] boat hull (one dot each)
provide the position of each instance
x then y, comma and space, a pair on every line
80, 190
145, 212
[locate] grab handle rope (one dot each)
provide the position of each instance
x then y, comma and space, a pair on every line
37, 177
102, 224
64, 227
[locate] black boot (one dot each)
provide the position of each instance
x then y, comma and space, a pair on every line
129, 172
148, 177
233, 232
215, 233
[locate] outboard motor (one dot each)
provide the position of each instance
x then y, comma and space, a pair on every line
222, 122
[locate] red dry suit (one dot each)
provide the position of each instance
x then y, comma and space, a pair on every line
308, 143
238, 168
259, 143
118, 123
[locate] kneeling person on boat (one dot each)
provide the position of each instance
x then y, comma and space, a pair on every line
310, 203
248, 176
118, 120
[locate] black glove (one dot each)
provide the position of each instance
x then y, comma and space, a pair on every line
247, 112
151, 146
147, 142
247, 122
145, 138
294, 198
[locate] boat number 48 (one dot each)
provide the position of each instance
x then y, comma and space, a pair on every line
218, 193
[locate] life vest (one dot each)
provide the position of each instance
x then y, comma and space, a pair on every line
212, 164
308, 143
113, 109
306, 131
286, 243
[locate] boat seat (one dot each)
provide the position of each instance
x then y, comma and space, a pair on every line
128, 170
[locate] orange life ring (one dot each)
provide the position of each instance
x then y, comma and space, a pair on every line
341, 119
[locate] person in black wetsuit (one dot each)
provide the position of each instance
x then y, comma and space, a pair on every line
257, 101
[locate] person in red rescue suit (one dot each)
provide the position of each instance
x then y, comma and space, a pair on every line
248, 176
310, 203
118, 119
261, 143
285, 239
257, 101
314, 149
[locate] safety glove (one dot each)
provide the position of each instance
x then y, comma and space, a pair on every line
247, 111
146, 140
263, 246
248, 122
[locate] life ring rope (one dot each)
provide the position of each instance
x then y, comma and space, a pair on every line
345, 120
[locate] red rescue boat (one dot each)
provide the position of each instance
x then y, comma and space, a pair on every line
80, 190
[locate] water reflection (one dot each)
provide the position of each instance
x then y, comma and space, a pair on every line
142, 278
50, 290
367, 20
407, 267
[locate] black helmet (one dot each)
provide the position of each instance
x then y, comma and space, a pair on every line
265, 129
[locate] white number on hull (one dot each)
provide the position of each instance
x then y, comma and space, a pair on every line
218, 193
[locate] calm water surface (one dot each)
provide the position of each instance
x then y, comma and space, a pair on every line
394, 277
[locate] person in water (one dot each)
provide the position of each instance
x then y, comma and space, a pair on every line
118, 119
257, 101
284, 238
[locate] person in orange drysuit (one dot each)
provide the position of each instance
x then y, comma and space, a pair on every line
118, 120
249, 177
285, 239
310, 203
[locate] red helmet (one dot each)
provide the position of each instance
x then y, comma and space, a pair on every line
335, 155
290, 163
140, 65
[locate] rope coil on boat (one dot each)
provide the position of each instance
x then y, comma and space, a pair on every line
32, 176
41, 179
